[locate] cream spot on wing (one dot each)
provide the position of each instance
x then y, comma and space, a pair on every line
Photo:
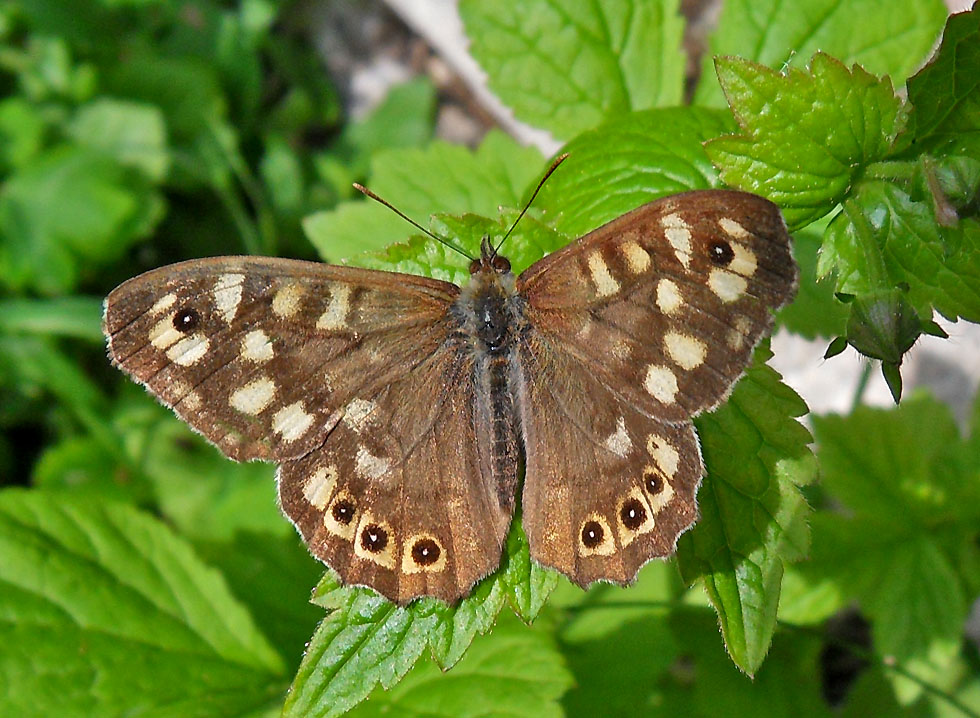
605, 285
621, 349
163, 304
335, 315
594, 537
257, 347
636, 257
423, 552
669, 298
727, 286
370, 466
661, 383
320, 485
619, 441
228, 295
191, 401
635, 517
357, 413
744, 261
678, 233
340, 518
163, 334
286, 302
686, 351
370, 531
738, 335
189, 350
292, 421
664, 453
733, 228
254, 397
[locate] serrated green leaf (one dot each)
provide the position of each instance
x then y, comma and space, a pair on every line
628, 162
909, 483
132, 133
806, 135
753, 517
367, 640
884, 239
780, 34
107, 612
946, 92
439, 178
514, 672
566, 67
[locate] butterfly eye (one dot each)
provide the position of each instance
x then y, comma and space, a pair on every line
654, 484
721, 253
632, 514
592, 534
501, 264
186, 319
425, 552
374, 538
475, 266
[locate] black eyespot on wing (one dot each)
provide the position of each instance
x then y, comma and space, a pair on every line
343, 512
186, 319
592, 534
425, 552
632, 514
721, 253
653, 482
374, 538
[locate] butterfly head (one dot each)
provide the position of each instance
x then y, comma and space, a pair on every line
489, 261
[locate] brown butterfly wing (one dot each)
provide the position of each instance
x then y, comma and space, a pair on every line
260, 355
403, 496
357, 383
632, 331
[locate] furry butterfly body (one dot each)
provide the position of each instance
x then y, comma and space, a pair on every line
399, 408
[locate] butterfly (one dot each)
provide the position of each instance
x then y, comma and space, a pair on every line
400, 409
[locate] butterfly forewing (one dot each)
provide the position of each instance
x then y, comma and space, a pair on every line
259, 355
666, 303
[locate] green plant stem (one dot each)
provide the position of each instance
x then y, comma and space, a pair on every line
862, 385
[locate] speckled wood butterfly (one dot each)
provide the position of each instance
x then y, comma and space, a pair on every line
399, 407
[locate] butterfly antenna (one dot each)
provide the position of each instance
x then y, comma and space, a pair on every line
389, 205
554, 165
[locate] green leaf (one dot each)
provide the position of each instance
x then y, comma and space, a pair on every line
21, 132
611, 681
367, 641
753, 517
946, 92
780, 35
76, 317
908, 482
806, 135
628, 162
515, 672
815, 312
107, 612
102, 210
439, 178
566, 67
132, 133
884, 239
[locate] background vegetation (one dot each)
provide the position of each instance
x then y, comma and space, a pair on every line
143, 574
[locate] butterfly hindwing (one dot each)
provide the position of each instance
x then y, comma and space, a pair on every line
606, 488
666, 303
259, 354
